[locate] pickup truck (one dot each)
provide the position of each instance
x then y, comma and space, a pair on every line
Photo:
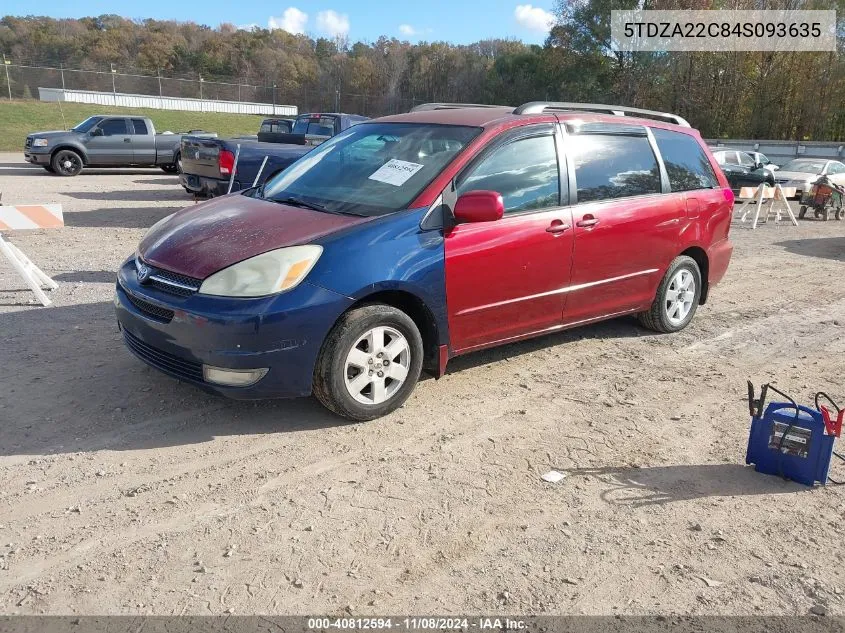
105, 141
207, 163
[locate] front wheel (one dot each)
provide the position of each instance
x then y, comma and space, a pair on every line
840, 213
677, 297
66, 162
369, 363
802, 212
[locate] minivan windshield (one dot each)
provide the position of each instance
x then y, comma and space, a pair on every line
87, 124
371, 168
804, 165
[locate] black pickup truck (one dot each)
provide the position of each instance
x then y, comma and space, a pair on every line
208, 163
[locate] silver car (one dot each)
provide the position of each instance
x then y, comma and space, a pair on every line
801, 173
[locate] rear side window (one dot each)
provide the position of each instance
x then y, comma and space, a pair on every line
113, 127
321, 126
685, 161
745, 160
731, 159
140, 126
525, 172
609, 166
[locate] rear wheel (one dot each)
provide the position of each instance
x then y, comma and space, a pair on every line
840, 213
802, 211
677, 297
66, 162
369, 363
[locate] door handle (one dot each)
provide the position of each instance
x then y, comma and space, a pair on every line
587, 221
557, 227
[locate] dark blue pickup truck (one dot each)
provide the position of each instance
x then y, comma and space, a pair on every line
208, 163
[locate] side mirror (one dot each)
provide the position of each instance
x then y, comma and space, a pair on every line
479, 206
758, 165
97, 132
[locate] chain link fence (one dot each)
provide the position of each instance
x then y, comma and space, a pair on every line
21, 81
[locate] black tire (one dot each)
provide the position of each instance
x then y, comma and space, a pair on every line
840, 213
657, 318
802, 212
49, 169
330, 372
170, 169
66, 162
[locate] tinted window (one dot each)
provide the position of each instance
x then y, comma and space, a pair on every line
731, 159
372, 168
113, 127
322, 126
613, 166
140, 126
88, 123
685, 161
525, 172
745, 160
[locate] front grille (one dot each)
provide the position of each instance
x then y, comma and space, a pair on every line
28, 143
163, 315
163, 360
171, 282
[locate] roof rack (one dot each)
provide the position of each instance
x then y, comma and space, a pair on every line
453, 106
536, 107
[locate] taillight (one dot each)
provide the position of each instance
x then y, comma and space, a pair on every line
226, 162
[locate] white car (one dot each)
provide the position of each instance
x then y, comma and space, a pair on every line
801, 173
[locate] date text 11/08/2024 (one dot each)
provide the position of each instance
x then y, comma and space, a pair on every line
417, 623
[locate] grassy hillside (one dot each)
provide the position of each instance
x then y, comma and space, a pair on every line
19, 118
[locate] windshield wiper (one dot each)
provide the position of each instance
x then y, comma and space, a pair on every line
299, 202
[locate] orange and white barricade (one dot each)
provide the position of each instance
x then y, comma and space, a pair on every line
776, 196
30, 216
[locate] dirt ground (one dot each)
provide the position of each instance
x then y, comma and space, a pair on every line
126, 492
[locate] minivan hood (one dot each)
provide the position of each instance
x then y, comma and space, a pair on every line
205, 238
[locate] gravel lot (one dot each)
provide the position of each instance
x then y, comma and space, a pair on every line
125, 491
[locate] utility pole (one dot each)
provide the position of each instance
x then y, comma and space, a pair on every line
62, 71
160, 95
337, 100
113, 88
202, 106
274, 99
6, 64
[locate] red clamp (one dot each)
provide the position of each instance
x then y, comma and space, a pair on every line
834, 427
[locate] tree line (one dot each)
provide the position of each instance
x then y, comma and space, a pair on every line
797, 96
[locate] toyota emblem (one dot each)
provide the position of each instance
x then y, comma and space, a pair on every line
143, 274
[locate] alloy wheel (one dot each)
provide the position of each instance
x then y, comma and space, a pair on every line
377, 365
680, 296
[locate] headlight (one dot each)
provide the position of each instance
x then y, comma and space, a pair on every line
40, 142
265, 274
159, 223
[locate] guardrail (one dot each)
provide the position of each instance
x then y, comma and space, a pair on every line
780, 152
125, 100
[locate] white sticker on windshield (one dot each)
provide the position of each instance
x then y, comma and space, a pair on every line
395, 172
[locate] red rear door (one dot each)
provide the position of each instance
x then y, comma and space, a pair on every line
626, 230
506, 279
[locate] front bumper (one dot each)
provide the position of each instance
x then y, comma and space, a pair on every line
37, 158
204, 186
178, 335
